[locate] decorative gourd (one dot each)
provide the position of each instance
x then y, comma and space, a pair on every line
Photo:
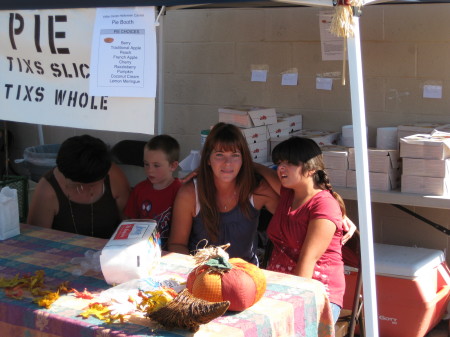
234, 280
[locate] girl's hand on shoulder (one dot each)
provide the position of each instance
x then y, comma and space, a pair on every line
349, 228
189, 177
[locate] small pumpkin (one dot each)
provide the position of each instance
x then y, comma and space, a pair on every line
234, 280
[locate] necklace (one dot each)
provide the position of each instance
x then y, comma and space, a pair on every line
73, 218
231, 199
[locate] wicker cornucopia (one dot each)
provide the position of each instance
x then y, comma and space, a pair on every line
188, 312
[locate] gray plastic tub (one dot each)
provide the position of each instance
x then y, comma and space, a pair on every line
40, 159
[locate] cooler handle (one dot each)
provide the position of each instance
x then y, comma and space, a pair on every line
445, 290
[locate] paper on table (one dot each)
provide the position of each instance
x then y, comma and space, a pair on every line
9, 213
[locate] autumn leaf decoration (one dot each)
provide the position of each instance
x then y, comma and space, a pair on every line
103, 312
148, 302
84, 295
17, 285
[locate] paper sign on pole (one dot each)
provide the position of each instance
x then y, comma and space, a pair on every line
123, 55
45, 71
332, 46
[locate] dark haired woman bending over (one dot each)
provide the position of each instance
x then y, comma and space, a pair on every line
85, 193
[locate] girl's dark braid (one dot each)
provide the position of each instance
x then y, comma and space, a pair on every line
323, 180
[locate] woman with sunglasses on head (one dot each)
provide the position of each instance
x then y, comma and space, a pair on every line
85, 193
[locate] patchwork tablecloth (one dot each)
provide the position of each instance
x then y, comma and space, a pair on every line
291, 306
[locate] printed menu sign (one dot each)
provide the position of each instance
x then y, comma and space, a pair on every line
123, 59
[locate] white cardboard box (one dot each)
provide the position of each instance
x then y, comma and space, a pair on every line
434, 146
259, 151
379, 160
337, 177
256, 134
378, 180
426, 167
237, 117
335, 157
263, 116
319, 136
415, 128
295, 121
132, 252
425, 185
278, 130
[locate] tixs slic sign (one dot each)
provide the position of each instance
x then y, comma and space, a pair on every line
82, 68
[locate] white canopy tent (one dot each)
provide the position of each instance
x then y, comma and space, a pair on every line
357, 104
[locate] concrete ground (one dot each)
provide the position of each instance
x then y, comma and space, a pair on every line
440, 330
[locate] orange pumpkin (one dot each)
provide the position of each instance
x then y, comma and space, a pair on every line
243, 285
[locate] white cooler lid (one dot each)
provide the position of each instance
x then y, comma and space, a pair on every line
405, 262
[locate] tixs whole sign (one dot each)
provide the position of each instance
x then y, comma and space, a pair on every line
45, 74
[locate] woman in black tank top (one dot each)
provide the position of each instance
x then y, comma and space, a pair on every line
84, 194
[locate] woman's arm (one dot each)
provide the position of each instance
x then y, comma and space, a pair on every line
183, 213
120, 187
318, 238
270, 176
43, 206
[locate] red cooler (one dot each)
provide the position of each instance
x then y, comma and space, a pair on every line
413, 288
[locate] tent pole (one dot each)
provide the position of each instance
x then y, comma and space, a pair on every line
40, 134
362, 181
160, 129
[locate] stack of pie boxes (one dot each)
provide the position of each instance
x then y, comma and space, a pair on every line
384, 169
335, 159
259, 125
406, 130
426, 163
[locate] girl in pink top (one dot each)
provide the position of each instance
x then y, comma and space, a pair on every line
306, 229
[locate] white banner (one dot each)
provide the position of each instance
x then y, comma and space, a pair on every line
45, 70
